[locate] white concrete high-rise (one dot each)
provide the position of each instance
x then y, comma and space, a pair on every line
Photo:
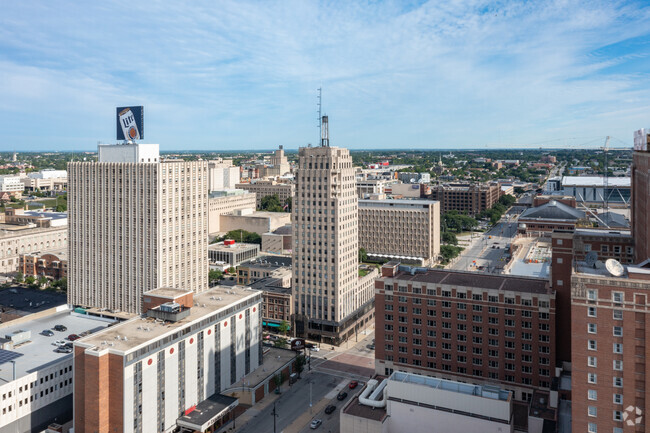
135, 224
326, 250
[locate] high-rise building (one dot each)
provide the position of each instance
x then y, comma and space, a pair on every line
329, 300
470, 198
610, 325
222, 175
405, 229
136, 223
640, 194
466, 326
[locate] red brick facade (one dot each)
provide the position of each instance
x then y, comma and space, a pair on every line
469, 327
640, 208
610, 353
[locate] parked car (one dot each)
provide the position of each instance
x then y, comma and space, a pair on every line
353, 384
47, 333
315, 424
315, 349
342, 395
59, 343
60, 328
73, 337
329, 409
63, 349
371, 346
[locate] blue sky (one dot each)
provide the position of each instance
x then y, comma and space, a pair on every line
243, 75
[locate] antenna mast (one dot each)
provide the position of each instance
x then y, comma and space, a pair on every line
320, 110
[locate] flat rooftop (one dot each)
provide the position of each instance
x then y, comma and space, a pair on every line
274, 359
513, 283
395, 203
39, 352
269, 261
234, 247
167, 292
12, 230
485, 391
597, 181
141, 330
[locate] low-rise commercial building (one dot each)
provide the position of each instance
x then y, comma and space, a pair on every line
46, 180
405, 229
225, 202
24, 239
595, 190
263, 188
264, 267
251, 221
34, 218
277, 300
12, 185
232, 253
52, 265
468, 198
550, 216
408, 402
151, 373
371, 187
37, 389
278, 241
466, 326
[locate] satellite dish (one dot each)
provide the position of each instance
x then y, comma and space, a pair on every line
590, 259
412, 180
614, 267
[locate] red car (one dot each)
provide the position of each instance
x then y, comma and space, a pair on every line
73, 337
353, 384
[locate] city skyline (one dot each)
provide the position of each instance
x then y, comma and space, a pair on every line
395, 75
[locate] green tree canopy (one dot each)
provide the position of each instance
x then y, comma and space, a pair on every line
271, 203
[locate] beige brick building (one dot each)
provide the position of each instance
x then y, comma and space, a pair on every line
263, 188
17, 240
224, 202
326, 289
136, 224
400, 228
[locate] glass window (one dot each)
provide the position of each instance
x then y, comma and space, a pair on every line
591, 328
592, 411
592, 394
592, 345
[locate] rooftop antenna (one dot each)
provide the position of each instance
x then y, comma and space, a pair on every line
320, 110
324, 133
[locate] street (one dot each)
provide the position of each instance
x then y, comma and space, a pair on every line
331, 372
488, 250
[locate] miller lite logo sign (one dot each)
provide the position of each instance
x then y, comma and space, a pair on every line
298, 344
130, 123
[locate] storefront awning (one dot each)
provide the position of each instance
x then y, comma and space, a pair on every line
208, 412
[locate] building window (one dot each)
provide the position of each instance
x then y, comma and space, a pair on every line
591, 361
592, 428
591, 311
618, 348
592, 345
591, 295
618, 365
559, 260
592, 394
617, 314
617, 297
592, 378
591, 411
591, 328
618, 331
618, 415
618, 382
618, 398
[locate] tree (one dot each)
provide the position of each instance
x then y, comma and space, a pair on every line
61, 284
30, 280
244, 236
42, 281
214, 275
449, 238
449, 252
363, 255
287, 204
278, 381
507, 200
280, 342
300, 363
271, 203
19, 278
284, 327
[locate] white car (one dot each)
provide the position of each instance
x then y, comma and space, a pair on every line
58, 343
315, 349
315, 424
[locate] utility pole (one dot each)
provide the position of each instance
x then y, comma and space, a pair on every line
275, 415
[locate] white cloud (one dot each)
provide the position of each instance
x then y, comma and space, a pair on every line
230, 73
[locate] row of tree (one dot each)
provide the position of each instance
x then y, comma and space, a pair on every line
41, 282
272, 203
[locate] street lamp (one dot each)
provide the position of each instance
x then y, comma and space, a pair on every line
274, 414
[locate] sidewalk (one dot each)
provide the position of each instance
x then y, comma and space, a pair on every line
255, 410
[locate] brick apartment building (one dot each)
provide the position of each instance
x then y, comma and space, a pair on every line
610, 351
466, 326
469, 198
639, 199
